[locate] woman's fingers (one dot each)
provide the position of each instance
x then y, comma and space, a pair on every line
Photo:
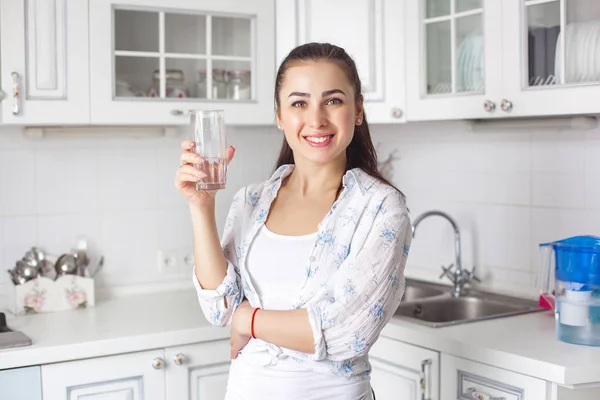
190, 158
190, 173
187, 144
230, 153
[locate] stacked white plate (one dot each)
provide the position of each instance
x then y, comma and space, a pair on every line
582, 57
470, 63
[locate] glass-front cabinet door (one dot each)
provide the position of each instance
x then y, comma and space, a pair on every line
453, 58
151, 64
551, 57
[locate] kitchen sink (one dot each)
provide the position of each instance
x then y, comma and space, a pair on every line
433, 305
416, 290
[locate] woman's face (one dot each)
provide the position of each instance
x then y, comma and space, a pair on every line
318, 111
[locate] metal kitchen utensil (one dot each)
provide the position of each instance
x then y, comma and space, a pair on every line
26, 270
66, 265
17, 280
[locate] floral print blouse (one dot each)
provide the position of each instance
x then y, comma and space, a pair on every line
354, 277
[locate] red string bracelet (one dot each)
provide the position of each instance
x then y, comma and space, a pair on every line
252, 323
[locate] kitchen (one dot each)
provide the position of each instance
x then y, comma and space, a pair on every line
505, 145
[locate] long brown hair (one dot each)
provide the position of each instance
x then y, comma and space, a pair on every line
360, 152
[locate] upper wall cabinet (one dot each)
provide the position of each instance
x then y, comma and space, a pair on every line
152, 60
502, 58
371, 31
45, 64
454, 58
551, 53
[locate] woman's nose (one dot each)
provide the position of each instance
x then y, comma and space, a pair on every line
318, 117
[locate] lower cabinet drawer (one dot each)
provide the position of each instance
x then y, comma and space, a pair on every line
463, 379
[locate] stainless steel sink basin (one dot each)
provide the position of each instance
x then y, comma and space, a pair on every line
416, 290
433, 305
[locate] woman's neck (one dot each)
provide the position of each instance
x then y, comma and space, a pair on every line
309, 180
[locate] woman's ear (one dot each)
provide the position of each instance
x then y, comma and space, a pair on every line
279, 123
359, 111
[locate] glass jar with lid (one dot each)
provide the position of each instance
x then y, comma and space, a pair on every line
175, 86
201, 86
219, 87
239, 84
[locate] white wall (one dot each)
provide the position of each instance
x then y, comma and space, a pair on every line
507, 191
117, 192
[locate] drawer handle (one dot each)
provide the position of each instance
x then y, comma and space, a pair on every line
424, 381
478, 395
16, 105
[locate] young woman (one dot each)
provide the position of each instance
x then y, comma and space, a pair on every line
311, 266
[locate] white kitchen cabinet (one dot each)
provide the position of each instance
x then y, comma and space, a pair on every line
133, 376
44, 61
464, 379
540, 78
152, 61
198, 371
476, 59
453, 59
403, 371
371, 31
190, 372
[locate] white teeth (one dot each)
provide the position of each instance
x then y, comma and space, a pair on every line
318, 139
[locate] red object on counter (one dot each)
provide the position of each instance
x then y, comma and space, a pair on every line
546, 301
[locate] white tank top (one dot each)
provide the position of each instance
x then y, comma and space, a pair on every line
277, 266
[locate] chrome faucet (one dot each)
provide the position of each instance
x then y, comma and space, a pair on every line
454, 272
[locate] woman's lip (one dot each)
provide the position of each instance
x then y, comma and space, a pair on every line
319, 135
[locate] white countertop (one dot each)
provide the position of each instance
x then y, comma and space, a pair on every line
112, 327
526, 344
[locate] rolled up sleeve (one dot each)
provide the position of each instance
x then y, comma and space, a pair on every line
366, 291
218, 305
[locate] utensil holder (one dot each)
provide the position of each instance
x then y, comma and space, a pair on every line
43, 295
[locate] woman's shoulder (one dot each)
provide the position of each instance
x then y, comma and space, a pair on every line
253, 192
377, 190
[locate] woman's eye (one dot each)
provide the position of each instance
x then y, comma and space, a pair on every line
334, 101
298, 104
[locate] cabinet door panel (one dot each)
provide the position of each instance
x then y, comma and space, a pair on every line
453, 59
198, 371
151, 64
371, 31
551, 57
122, 377
44, 56
403, 371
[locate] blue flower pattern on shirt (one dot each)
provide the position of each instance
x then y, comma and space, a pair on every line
354, 276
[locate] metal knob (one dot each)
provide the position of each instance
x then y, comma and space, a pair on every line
397, 113
177, 112
489, 106
179, 359
506, 105
158, 363
16, 106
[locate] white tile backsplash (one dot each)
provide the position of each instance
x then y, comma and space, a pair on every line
17, 180
507, 191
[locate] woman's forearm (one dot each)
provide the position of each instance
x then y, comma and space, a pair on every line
209, 261
289, 329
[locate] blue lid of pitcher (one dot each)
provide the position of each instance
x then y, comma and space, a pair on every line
577, 243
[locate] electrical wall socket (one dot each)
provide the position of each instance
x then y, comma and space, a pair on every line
175, 261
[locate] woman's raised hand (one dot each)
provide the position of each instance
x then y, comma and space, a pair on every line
188, 174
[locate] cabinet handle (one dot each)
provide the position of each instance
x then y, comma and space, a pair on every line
424, 381
489, 106
397, 113
179, 359
158, 363
506, 105
178, 112
16, 106
477, 395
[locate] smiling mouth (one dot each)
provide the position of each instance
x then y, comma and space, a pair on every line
318, 139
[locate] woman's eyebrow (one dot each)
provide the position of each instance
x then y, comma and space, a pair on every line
324, 94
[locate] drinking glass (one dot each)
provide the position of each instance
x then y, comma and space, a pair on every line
211, 145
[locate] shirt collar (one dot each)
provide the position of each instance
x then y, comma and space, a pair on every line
351, 177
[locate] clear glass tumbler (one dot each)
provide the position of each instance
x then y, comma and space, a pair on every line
211, 145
